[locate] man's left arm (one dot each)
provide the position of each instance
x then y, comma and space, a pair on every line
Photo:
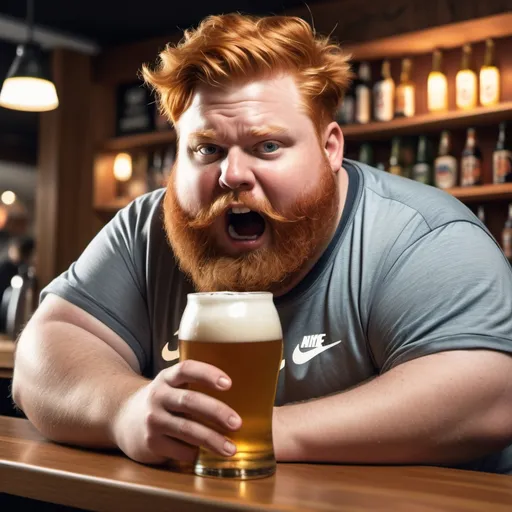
448, 407
440, 333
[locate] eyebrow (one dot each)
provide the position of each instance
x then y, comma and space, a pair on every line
254, 131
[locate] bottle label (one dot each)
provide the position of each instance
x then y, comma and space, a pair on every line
506, 240
405, 104
396, 170
363, 110
446, 171
384, 95
421, 173
466, 89
470, 170
502, 166
489, 86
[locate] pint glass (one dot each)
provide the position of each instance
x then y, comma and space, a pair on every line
240, 333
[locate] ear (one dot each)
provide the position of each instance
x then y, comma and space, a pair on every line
334, 144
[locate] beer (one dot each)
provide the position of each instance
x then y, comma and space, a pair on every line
239, 333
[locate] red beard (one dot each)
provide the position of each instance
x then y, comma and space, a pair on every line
296, 237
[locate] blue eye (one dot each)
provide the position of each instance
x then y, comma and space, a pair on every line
207, 150
269, 147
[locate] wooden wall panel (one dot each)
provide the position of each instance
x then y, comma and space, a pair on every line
64, 214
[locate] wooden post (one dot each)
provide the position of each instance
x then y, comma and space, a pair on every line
65, 222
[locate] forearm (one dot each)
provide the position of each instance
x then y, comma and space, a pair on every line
71, 384
417, 413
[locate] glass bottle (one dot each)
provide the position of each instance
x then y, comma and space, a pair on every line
466, 82
437, 86
489, 77
445, 165
384, 94
422, 169
363, 94
405, 92
502, 157
471, 161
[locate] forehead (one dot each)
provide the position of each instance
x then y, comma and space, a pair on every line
258, 102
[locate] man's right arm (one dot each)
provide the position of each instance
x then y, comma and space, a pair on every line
78, 382
72, 374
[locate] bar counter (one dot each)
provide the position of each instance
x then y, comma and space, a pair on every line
35, 468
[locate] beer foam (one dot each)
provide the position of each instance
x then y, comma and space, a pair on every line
230, 317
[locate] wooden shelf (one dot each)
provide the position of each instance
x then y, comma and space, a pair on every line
141, 140
453, 35
482, 193
430, 122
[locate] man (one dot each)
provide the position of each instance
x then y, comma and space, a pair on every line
395, 301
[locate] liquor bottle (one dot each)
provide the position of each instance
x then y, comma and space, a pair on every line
437, 86
366, 154
445, 165
395, 164
346, 111
384, 94
502, 157
489, 77
471, 161
363, 94
481, 214
506, 235
405, 92
422, 169
154, 173
466, 82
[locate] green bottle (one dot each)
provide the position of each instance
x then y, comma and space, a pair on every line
422, 169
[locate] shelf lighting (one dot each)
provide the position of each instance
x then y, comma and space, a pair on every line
123, 167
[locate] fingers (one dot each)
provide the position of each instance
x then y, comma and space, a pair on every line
201, 406
170, 449
192, 372
189, 432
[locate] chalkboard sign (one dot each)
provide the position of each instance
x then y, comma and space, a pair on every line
135, 109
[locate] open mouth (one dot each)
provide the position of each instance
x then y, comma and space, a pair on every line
244, 224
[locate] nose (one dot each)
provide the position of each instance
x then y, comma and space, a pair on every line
235, 171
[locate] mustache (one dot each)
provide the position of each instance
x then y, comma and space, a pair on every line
207, 216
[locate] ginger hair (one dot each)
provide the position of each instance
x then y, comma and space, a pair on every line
230, 47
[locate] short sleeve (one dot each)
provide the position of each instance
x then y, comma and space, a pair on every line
108, 279
451, 289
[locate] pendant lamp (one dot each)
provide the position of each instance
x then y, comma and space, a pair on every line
28, 85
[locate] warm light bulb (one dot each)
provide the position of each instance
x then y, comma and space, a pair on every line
437, 88
8, 197
28, 94
123, 167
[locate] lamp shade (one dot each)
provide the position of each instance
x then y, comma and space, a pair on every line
28, 85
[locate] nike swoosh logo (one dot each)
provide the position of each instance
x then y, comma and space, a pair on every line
299, 357
170, 355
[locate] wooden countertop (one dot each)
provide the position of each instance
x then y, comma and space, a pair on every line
38, 469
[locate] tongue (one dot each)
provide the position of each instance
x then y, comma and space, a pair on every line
248, 224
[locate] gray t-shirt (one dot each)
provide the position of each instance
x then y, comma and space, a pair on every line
410, 272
